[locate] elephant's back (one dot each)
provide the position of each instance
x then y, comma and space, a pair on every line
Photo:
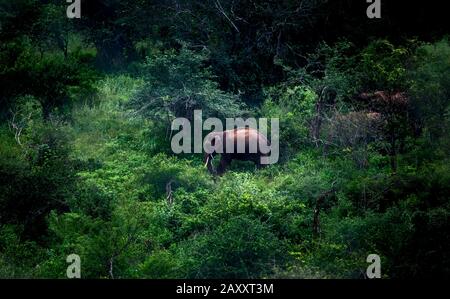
248, 134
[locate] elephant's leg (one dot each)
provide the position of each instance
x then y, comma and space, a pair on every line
223, 164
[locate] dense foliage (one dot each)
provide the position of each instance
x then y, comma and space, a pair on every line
86, 165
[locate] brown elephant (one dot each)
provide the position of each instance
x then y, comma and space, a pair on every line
245, 144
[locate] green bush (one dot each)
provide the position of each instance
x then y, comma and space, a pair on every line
177, 83
238, 248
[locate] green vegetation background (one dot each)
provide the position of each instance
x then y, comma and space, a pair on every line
85, 159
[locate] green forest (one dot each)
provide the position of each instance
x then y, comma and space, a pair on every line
86, 165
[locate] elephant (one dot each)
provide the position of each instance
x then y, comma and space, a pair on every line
248, 151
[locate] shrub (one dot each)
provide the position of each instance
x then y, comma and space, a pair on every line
238, 248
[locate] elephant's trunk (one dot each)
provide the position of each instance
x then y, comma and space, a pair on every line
208, 158
208, 162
